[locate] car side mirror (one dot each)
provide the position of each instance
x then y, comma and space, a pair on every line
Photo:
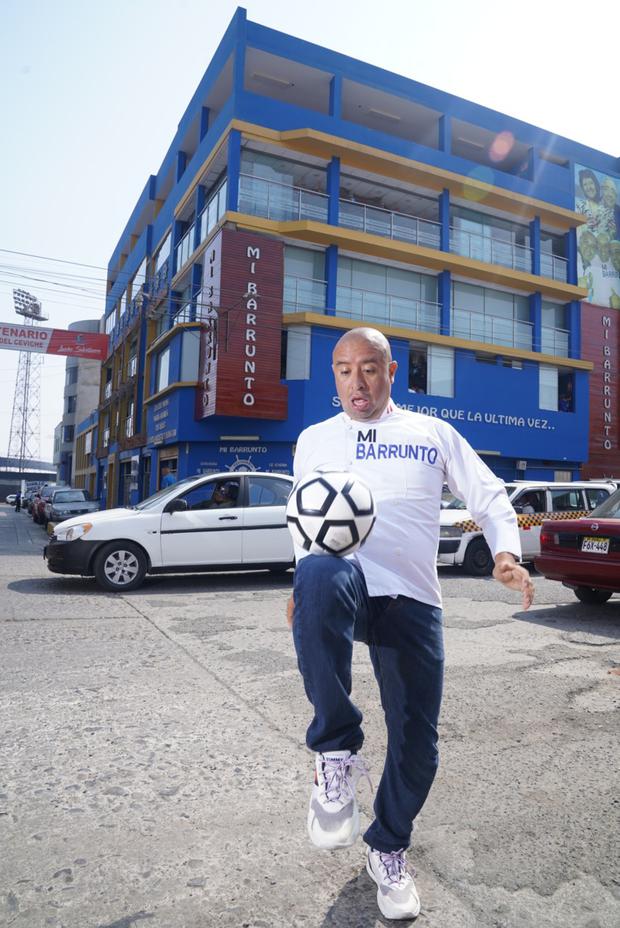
176, 505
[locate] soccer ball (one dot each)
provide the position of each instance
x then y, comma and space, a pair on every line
330, 512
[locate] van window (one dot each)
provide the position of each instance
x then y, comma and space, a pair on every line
595, 496
530, 501
566, 500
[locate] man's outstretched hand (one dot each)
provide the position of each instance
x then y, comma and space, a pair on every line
514, 576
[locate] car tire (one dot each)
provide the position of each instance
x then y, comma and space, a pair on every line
592, 596
478, 559
120, 566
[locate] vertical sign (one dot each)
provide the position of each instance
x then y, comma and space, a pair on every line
240, 365
600, 339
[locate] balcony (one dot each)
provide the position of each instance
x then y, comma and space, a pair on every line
213, 211
303, 294
132, 366
129, 427
274, 200
106, 438
554, 266
496, 330
384, 309
107, 390
159, 282
555, 341
401, 226
490, 250
183, 314
185, 248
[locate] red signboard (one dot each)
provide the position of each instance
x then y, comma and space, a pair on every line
71, 344
241, 305
600, 343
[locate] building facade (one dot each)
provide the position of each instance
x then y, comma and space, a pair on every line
81, 395
305, 193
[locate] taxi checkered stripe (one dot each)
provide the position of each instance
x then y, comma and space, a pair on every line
527, 519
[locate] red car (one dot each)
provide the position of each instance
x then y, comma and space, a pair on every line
584, 554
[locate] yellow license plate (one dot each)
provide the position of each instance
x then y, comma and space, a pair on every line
595, 545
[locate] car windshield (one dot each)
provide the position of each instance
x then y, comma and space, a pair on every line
156, 498
610, 509
71, 496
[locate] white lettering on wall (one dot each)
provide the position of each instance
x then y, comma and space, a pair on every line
251, 306
608, 367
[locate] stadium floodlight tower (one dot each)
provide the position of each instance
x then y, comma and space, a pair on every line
24, 437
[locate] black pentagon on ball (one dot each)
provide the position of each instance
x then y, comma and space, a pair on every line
346, 492
329, 499
307, 540
327, 526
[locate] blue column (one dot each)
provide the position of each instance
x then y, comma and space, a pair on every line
532, 164
239, 55
333, 191
335, 96
331, 276
535, 244
571, 255
536, 319
444, 298
574, 329
181, 165
196, 282
444, 219
233, 170
204, 121
445, 133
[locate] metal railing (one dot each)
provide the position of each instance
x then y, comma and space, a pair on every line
378, 221
184, 314
386, 309
303, 294
490, 250
555, 341
274, 200
553, 266
496, 330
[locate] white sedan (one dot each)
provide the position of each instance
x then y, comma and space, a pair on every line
226, 521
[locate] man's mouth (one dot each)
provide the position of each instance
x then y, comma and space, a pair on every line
360, 403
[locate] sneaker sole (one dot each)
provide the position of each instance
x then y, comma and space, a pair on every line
384, 904
330, 842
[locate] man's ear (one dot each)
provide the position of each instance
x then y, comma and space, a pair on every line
392, 369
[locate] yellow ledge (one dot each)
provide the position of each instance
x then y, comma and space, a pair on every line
430, 338
171, 386
379, 247
376, 161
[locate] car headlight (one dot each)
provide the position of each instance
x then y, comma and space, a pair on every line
75, 532
450, 531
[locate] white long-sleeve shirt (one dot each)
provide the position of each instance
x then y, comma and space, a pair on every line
405, 458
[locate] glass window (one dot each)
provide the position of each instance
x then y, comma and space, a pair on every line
164, 253
163, 370
72, 375
217, 494
68, 433
110, 321
138, 279
283, 171
548, 387
467, 296
268, 491
530, 501
568, 500
554, 315
440, 371
71, 404
297, 348
190, 349
304, 262
417, 370
566, 398
595, 496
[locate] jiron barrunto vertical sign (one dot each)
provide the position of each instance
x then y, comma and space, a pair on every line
241, 306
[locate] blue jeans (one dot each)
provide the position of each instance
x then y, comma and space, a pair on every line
405, 641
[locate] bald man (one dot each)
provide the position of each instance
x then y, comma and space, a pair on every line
387, 595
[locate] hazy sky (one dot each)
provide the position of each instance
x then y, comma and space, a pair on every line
91, 93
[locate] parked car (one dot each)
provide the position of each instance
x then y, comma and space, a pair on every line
10, 499
226, 521
584, 554
38, 502
66, 502
461, 539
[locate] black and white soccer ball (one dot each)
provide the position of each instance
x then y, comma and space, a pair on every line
330, 512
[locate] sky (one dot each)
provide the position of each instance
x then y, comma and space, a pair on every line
91, 94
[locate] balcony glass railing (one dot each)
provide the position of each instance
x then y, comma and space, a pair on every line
129, 427
554, 266
490, 250
185, 248
106, 437
496, 330
107, 390
274, 200
303, 294
386, 309
184, 314
132, 366
213, 211
555, 341
377, 221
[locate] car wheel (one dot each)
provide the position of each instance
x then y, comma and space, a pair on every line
120, 566
478, 560
592, 596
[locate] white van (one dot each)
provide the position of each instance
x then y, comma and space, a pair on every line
461, 540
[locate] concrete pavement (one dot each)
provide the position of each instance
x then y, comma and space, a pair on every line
153, 768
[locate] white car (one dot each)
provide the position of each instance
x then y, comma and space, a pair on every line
226, 521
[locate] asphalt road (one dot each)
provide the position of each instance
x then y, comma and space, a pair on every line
153, 769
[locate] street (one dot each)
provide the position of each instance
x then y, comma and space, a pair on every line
153, 768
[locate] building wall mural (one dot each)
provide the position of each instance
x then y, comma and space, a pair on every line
597, 197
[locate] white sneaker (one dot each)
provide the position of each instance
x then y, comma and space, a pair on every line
333, 816
397, 896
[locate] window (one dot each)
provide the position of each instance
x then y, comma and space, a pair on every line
163, 370
72, 375
71, 404
548, 387
566, 399
110, 321
304, 279
568, 500
88, 442
163, 253
488, 238
190, 348
296, 349
431, 370
138, 280
68, 433
530, 501
388, 295
595, 496
268, 491
221, 494
494, 316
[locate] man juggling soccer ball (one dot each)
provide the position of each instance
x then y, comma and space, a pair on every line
387, 595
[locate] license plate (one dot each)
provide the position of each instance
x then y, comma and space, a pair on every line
595, 545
